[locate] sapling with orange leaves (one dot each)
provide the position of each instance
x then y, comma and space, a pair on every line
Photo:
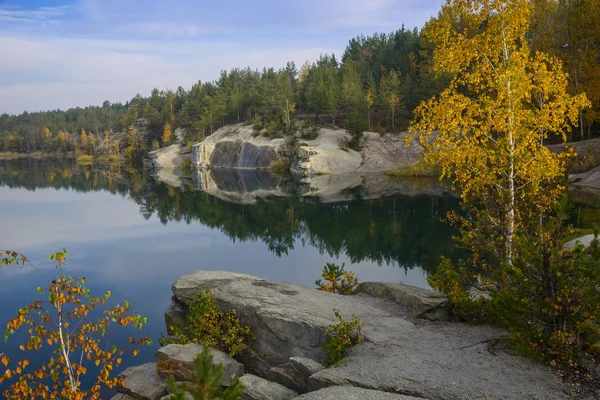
63, 324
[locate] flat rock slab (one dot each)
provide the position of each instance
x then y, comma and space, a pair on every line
288, 320
353, 393
178, 360
143, 383
441, 360
256, 388
422, 303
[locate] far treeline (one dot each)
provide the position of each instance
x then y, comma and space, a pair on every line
376, 85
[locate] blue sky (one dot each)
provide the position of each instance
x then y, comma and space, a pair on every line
60, 54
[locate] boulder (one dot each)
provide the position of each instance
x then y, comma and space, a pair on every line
353, 393
178, 360
422, 303
439, 360
288, 320
306, 366
256, 388
295, 373
143, 383
169, 157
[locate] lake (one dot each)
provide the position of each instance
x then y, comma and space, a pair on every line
132, 234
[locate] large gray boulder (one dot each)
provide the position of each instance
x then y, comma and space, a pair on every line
353, 393
288, 320
143, 383
178, 360
438, 360
257, 388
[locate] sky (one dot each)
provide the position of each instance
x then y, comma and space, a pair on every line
61, 53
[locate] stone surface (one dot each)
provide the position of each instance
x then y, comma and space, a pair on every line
289, 377
168, 157
256, 388
438, 360
174, 316
353, 393
288, 320
584, 240
143, 383
235, 146
122, 396
589, 179
306, 366
422, 303
178, 360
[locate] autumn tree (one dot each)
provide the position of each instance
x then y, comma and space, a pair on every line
489, 121
84, 142
63, 326
485, 131
391, 94
166, 136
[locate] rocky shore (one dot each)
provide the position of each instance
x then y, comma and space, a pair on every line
411, 351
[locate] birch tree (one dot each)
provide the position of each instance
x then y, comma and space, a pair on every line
490, 122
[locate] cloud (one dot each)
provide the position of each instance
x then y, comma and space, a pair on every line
55, 73
94, 50
44, 15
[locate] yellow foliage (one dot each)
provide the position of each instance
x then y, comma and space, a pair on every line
502, 103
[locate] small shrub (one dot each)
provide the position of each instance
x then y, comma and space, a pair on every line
337, 280
205, 324
356, 126
206, 380
189, 145
340, 337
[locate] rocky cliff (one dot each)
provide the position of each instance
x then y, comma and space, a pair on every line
235, 146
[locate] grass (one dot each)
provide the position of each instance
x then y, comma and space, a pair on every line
412, 170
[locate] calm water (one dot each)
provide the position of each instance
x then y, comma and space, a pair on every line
133, 235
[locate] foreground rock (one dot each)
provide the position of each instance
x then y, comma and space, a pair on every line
178, 360
143, 383
256, 388
420, 303
400, 355
352, 393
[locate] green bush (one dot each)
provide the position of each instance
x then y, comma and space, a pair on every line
356, 126
337, 280
205, 381
548, 300
205, 324
340, 337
